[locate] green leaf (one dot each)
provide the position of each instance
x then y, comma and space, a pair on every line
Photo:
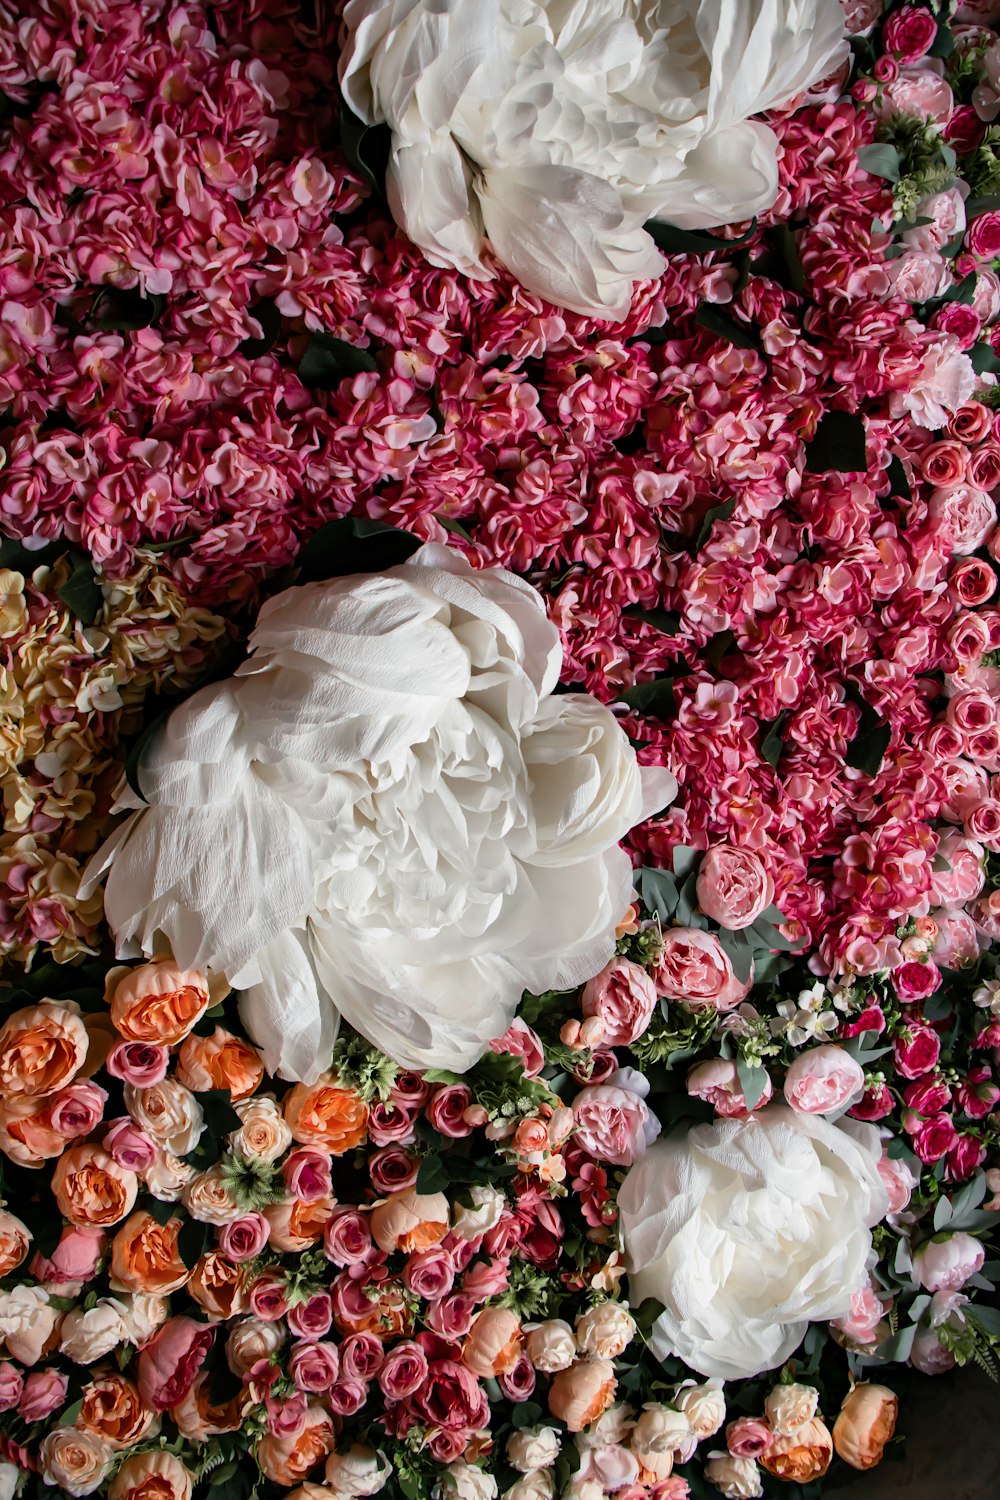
366, 148
653, 699
898, 483
526, 1414
687, 913
645, 1316
839, 443
881, 160
675, 241
267, 315
719, 647
871, 738
772, 744
433, 1176
117, 311
327, 361
657, 892
740, 950
192, 1241
722, 325
782, 239
353, 544
943, 44
665, 620
81, 592
984, 361
769, 935
442, 1075
987, 1317
753, 1082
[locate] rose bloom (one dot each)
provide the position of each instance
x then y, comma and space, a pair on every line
622, 997
157, 1002
218, 1287
41, 1049
11, 1386
802, 1456
605, 1331
295, 1225
314, 1367
325, 1115
493, 1345
44, 1392
91, 1188
250, 1341
169, 1113
734, 887
87, 1336
694, 968
551, 1346
220, 1061
347, 1238
75, 1459
520, 1041
15, 1238
409, 1221
196, 1418
946, 1265
866, 1422
403, 1371
138, 1063
579, 1394
144, 1256
612, 1121
244, 1238
915, 981
824, 1079
737, 1478
287, 1461
748, 1437
73, 1262
169, 1363
359, 1472
151, 1476
965, 516
112, 1407
718, 1083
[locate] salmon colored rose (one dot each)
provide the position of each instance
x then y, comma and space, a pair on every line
151, 1476
866, 1422
410, 1221
219, 1287
493, 1345
157, 1002
295, 1225
197, 1419
801, 1456
75, 1459
220, 1061
144, 1256
171, 1360
288, 1460
112, 1407
41, 1048
15, 1238
36, 1130
324, 1114
91, 1188
581, 1393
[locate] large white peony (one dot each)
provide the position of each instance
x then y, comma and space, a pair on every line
748, 1230
555, 128
385, 816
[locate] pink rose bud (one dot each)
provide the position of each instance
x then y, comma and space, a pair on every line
916, 1051
130, 1146
346, 1397
313, 1318
306, 1172
748, 1437
361, 1356
945, 1264
11, 1385
44, 1393
909, 34
73, 1261
138, 1063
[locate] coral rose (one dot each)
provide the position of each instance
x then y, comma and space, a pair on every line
295, 1224
493, 1345
158, 1002
410, 1221
287, 1461
197, 1419
219, 1287
801, 1456
170, 1362
220, 1061
144, 1256
41, 1048
695, 969
112, 1407
91, 1188
151, 1476
866, 1422
622, 997
15, 1238
323, 1114
580, 1394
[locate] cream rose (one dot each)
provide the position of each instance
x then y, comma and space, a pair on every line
533, 1448
538, 1485
75, 1459
461, 1481
471, 1221
746, 1230
424, 831
263, 1135
169, 1113
605, 1330
736, 1478
704, 1406
550, 1346
87, 1336
360, 1471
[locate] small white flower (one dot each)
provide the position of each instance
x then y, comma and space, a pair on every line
987, 996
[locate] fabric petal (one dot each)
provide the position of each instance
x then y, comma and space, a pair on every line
290, 1018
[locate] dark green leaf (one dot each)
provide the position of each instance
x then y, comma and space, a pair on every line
881, 160
687, 913
984, 361
675, 241
944, 43
719, 647
722, 325
526, 1414
134, 758
715, 513
871, 738
192, 1241
839, 443
353, 544
661, 619
118, 311
772, 744
327, 361
976, 206
898, 482
455, 527
81, 592
267, 315
366, 148
655, 699
781, 238
645, 1316
433, 1176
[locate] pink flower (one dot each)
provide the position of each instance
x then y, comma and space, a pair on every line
361, 1356
734, 887
694, 968
965, 1155
718, 1083
306, 1171
429, 1273
314, 1367
963, 515
946, 1265
74, 1260
612, 1121
956, 944
934, 1138
130, 1146
138, 1063
824, 1079
915, 980
982, 238
11, 1385
243, 1239
403, 1371
267, 1297
748, 1437
446, 1109
169, 1363
346, 1397
520, 1041
898, 1181
312, 1318
452, 1316
917, 1051
44, 1393
861, 1323
347, 1238
622, 997
909, 33
451, 1398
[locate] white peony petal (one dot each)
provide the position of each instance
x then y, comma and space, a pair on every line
290, 1018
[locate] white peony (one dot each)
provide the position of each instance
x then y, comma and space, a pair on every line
386, 816
747, 1230
555, 128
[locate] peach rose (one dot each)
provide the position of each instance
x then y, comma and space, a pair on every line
866, 1422
324, 1114
208, 1198
410, 1221
220, 1061
157, 1002
15, 1238
551, 1346
75, 1459
169, 1113
196, 1418
800, 1456
288, 1460
218, 1287
91, 1188
144, 1256
580, 1394
41, 1048
151, 1476
493, 1345
27, 1134
263, 1133
694, 968
112, 1407
295, 1225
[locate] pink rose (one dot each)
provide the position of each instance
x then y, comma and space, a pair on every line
306, 1172
920, 91
965, 877
452, 1316
244, 1238
718, 1083
388, 1123
965, 1156
622, 997
77, 1109
312, 1318
429, 1273
612, 1121
286, 1415
451, 1398
44, 1393
403, 1371
928, 1095
694, 968
11, 1385
348, 1238
748, 1437
138, 1063
957, 943
983, 823
982, 238
268, 1300
963, 516
171, 1360
859, 1326
910, 33
917, 1051
964, 322
520, 1041
916, 980
934, 1138
734, 887
946, 212
314, 1367
945, 1265
361, 1356
446, 1110
346, 1397
74, 1260
824, 1079
919, 275
393, 1169
898, 1181
130, 1146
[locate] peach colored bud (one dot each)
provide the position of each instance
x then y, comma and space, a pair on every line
628, 923
475, 1116
866, 1422
592, 1032
560, 1126
801, 1456
570, 1034
410, 1221
914, 947
580, 1394
493, 1345
926, 927
530, 1136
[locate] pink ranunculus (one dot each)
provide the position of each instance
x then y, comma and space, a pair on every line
306, 1172
945, 1265
916, 980
74, 1260
910, 33
403, 1371
717, 1081
312, 1318
314, 1367
348, 1238
622, 997
695, 969
748, 1437
928, 1095
171, 1360
612, 1120
446, 1110
965, 1155
734, 886
44, 1392
244, 1238
520, 1041
917, 1051
824, 1079
138, 1063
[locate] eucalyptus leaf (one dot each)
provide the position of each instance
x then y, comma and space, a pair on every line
753, 1082
684, 860
881, 160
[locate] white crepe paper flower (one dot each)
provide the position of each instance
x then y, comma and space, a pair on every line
747, 1230
554, 128
385, 815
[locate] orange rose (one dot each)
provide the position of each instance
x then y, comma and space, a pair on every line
866, 1422
151, 1476
158, 1002
113, 1408
219, 1061
41, 1048
410, 1221
144, 1255
91, 1188
387, 1313
295, 1224
196, 1418
288, 1460
800, 1456
15, 1238
581, 1393
26, 1133
324, 1114
218, 1286
493, 1345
